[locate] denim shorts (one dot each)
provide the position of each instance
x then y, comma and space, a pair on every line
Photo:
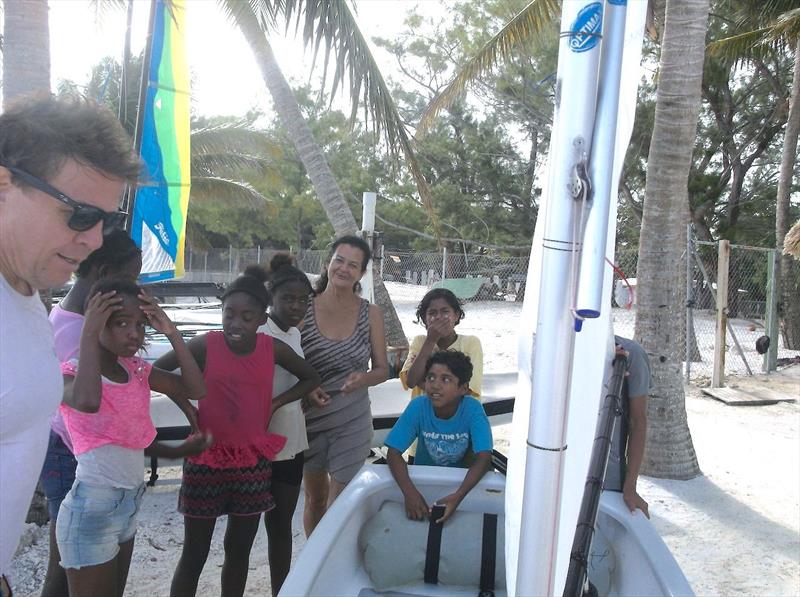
93, 521
58, 473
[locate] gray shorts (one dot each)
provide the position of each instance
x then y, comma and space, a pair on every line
340, 451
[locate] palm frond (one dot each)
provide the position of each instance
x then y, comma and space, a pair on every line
233, 138
786, 27
524, 28
230, 165
102, 8
224, 190
331, 26
755, 42
740, 46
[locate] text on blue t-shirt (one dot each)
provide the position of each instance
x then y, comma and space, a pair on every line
442, 442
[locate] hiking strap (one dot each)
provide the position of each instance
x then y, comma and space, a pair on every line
488, 555
434, 547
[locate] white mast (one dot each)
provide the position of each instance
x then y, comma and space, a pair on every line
571, 138
565, 368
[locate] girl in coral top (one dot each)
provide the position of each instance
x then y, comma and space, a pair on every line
233, 476
106, 410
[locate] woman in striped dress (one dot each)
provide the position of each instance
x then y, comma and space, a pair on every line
341, 334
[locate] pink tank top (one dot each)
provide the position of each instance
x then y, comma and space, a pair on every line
238, 404
124, 415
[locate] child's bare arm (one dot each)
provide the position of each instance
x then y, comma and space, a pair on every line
193, 446
191, 376
308, 378
85, 390
416, 506
474, 474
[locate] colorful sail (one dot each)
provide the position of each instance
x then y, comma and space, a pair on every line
160, 207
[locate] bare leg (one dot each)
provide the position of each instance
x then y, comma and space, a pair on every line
55, 580
317, 484
335, 489
124, 564
102, 579
278, 522
239, 537
197, 533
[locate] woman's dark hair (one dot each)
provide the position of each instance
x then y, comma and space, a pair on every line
439, 293
353, 241
283, 271
251, 282
117, 251
458, 363
122, 286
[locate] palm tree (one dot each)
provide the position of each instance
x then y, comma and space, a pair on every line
771, 26
669, 451
26, 48
254, 22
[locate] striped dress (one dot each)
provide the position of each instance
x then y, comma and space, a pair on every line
347, 420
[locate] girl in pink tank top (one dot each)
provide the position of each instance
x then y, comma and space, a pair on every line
106, 409
233, 476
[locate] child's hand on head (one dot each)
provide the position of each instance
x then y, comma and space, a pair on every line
98, 310
156, 317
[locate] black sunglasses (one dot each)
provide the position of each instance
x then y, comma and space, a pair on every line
83, 216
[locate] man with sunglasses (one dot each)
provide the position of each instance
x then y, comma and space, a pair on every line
63, 166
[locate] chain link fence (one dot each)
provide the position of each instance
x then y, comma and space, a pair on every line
493, 288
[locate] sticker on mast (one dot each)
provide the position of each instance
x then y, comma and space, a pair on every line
585, 32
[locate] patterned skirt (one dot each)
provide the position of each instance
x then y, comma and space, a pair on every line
208, 492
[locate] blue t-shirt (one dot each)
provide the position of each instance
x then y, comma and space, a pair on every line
442, 442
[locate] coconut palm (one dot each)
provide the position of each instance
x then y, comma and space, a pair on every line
770, 26
255, 20
669, 451
26, 48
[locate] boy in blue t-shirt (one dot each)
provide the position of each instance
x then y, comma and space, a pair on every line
452, 429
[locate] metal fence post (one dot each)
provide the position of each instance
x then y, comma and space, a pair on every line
444, 262
258, 254
689, 303
718, 373
383, 258
771, 315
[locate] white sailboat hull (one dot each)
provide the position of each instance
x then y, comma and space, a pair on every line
628, 558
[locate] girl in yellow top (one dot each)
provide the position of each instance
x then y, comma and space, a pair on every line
440, 312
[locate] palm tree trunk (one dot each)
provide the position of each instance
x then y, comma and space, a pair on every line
790, 306
310, 153
26, 48
669, 451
